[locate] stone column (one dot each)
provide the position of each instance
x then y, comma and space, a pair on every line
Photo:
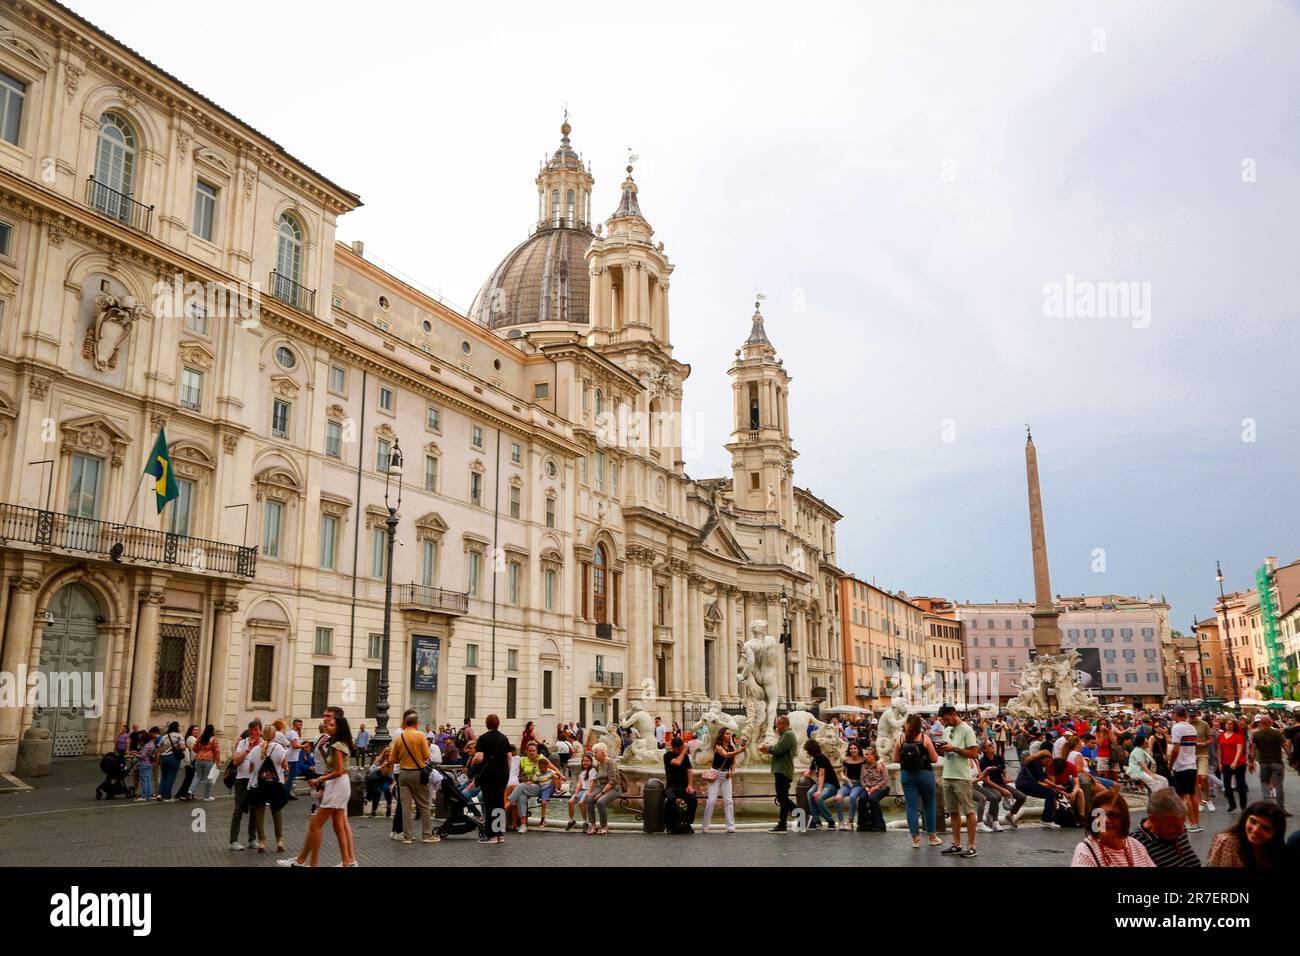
19, 623
218, 673
681, 636
728, 655
146, 652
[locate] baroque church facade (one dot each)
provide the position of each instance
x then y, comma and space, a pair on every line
163, 265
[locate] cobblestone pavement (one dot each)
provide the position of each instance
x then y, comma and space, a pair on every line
60, 824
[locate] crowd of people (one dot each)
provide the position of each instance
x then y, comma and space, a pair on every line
1182, 761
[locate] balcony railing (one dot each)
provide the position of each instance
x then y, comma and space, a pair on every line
298, 296
119, 206
611, 680
124, 544
605, 632
422, 597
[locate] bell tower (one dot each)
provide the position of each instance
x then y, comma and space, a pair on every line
762, 455
564, 188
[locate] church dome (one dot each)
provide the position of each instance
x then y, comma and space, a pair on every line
543, 279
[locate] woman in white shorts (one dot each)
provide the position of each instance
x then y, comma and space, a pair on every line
335, 790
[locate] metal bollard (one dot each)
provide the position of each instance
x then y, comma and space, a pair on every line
802, 807
652, 806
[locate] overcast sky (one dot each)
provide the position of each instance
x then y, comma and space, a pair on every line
904, 182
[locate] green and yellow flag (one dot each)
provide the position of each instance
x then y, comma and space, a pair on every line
159, 467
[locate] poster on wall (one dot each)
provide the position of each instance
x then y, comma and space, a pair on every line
1088, 671
424, 662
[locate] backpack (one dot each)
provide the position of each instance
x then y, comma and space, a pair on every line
912, 756
1065, 814
460, 739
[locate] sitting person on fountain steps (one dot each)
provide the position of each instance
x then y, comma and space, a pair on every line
680, 801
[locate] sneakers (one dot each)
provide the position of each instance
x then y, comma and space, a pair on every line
935, 841
570, 825
1192, 828
779, 829
523, 828
952, 850
407, 841
1052, 825
997, 827
983, 827
208, 799
731, 829
433, 838
485, 840
236, 846
1011, 822
1209, 805
396, 836
969, 852
292, 861
916, 843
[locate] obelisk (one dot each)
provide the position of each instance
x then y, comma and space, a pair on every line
1047, 634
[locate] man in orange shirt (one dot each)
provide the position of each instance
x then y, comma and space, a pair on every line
410, 754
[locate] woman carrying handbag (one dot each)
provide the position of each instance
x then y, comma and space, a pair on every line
718, 777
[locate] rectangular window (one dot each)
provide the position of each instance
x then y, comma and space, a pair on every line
542, 390
512, 692
475, 488
375, 647
514, 501
196, 318
471, 695
271, 519
372, 691
324, 642
320, 689
471, 655
334, 439
1126, 633
280, 418
429, 564
13, 92
476, 436
600, 471
328, 538
1130, 678
472, 584
1153, 677
192, 389
182, 507
263, 671
549, 578
661, 605
513, 579
546, 690
338, 379
550, 512
385, 398
378, 552
516, 452
613, 477
1148, 633
383, 454
1112, 677
512, 659
753, 481
430, 473
582, 470
205, 210
433, 418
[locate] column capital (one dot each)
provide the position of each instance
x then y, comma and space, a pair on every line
227, 607
154, 598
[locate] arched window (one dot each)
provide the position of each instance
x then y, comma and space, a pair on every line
599, 586
555, 206
600, 402
570, 212
114, 166
288, 252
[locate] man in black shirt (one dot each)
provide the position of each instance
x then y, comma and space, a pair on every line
492, 756
678, 787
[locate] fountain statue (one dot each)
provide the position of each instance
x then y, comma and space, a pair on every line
890, 728
759, 679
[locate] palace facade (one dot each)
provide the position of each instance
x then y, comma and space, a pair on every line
165, 266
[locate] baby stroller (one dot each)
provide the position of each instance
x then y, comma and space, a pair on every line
114, 769
462, 815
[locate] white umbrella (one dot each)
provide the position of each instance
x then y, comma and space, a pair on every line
846, 709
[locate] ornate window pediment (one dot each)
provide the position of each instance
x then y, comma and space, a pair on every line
32, 54
197, 354
8, 283
386, 432
432, 448
335, 411
206, 157
191, 461
376, 517
277, 484
474, 542
430, 527
515, 551
333, 505
95, 434
284, 386
551, 559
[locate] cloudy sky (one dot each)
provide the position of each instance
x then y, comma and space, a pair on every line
910, 185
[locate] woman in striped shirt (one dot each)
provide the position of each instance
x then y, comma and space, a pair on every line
1108, 842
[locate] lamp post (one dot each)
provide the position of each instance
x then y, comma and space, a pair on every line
382, 738
1200, 660
787, 641
1232, 660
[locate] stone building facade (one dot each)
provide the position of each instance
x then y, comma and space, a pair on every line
165, 266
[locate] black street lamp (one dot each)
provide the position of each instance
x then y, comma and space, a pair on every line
1232, 662
382, 738
787, 641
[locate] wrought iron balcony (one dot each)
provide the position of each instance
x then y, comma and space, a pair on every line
123, 544
292, 293
119, 206
611, 680
421, 597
